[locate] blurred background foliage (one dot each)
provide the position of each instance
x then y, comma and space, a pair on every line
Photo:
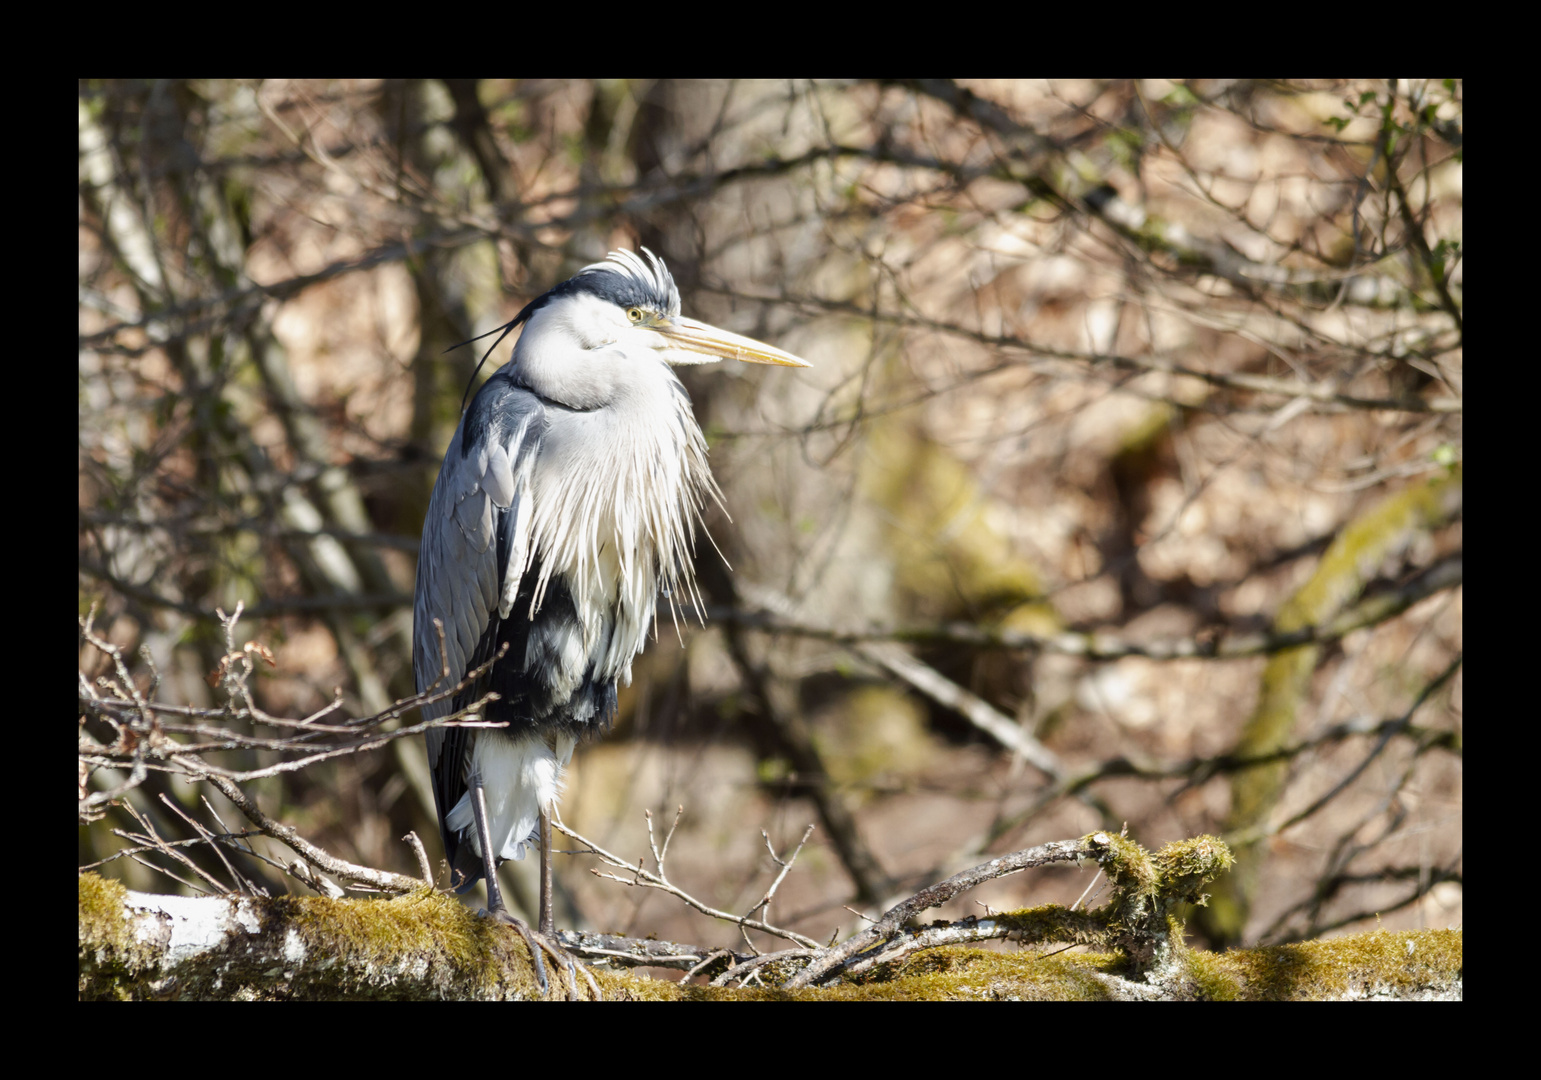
1114, 382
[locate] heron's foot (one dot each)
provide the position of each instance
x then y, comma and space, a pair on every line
503, 915
538, 942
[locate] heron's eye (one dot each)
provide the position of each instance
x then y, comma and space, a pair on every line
634, 314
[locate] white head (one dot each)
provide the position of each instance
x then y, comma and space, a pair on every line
630, 301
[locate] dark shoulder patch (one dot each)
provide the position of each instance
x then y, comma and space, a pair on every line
498, 410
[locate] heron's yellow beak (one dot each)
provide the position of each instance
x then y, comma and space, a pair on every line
697, 337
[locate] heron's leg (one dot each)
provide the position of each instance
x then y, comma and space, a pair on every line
547, 923
495, 905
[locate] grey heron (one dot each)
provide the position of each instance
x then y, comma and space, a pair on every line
568, 501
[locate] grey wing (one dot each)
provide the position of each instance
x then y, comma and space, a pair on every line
475, 547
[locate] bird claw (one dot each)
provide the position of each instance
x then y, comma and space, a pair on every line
537, 943
531, 942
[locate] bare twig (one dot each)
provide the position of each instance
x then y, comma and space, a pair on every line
360, 876
145, 740
974, 708
934, 896
786, 868
745, 969
1371, 611
422, 856
153, 839
614, 950
240, 880
1387, 733
637, 876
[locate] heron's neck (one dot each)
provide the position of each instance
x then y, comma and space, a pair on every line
557, 364
620, 487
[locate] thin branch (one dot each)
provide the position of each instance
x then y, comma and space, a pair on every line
1353, 774
646, 879
1097, 645
367, 877
935, 896
1320, 393
979, 712
614, 950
